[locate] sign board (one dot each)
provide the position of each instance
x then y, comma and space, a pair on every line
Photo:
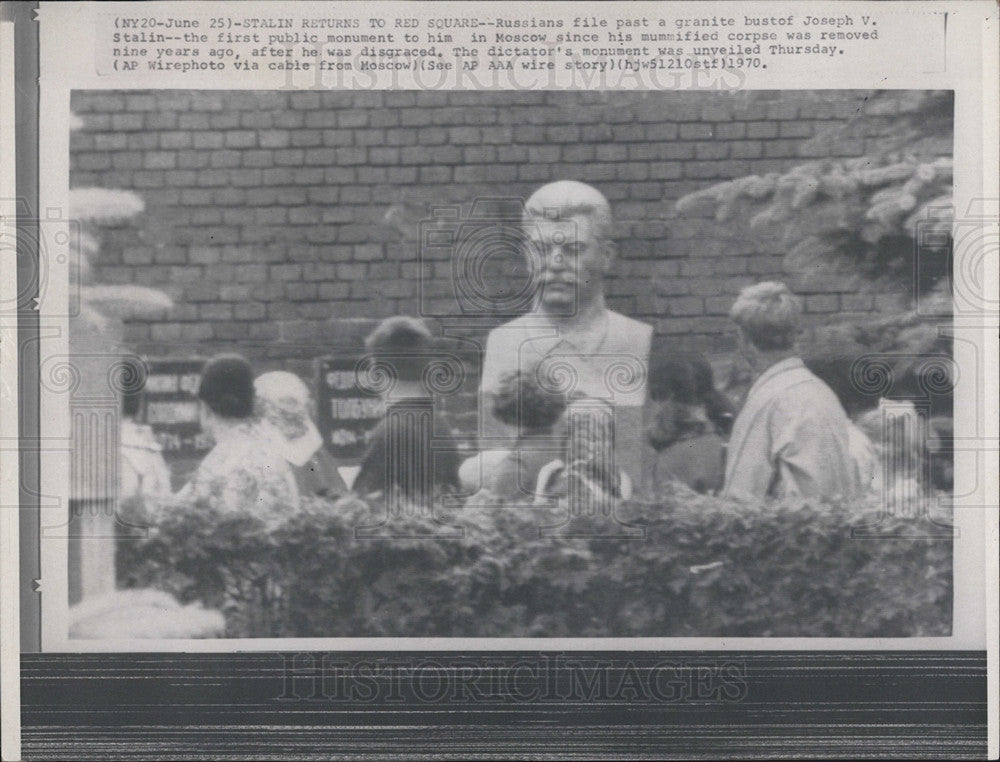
346, 413
170, 407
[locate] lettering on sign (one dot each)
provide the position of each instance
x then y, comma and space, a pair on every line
170, 406
347, 414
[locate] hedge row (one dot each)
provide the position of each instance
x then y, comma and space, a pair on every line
690, 565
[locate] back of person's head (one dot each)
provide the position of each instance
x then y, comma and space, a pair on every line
671, 377
521, 401
227, 386
704, 378
282, 399
686, 378
565, 199
404, 343
768, 314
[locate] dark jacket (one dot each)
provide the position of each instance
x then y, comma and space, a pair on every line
402, 456
698, 462
319, 476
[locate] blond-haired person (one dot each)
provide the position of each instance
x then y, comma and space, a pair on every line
791, 437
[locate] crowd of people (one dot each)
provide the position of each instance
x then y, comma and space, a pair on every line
575, 399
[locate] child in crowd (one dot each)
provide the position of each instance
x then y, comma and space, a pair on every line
523, 404
686, 422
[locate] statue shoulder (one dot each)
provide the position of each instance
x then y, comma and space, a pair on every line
521, 322
510, 333
500, 354
635, 330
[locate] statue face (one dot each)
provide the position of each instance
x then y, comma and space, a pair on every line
571, 260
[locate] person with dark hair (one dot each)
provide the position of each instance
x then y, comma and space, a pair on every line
400, 459
792, 436
687, 419
522, 403
244, 472
718, 408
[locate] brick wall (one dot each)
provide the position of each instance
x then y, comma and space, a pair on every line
283, 223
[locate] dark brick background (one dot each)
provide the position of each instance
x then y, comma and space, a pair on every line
283, 223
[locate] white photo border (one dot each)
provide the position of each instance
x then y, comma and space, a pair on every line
67, 65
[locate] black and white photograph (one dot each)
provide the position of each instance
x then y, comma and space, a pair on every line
510, 364
524, 380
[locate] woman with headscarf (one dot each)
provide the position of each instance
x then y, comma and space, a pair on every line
244, 472
284, 408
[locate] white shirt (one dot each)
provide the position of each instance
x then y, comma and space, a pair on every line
243, 473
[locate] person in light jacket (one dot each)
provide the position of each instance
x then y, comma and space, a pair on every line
792, 436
